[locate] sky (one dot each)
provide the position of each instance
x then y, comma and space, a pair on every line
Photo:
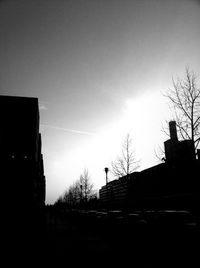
99, 69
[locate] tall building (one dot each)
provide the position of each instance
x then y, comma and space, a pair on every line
22, 170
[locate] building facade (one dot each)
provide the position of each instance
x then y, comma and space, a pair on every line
21, 159
172, 184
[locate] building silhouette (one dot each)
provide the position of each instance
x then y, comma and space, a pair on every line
173, 184
22, 170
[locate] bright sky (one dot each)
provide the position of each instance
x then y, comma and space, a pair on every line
98, 68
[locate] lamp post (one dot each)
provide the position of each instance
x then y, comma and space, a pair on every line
106, 169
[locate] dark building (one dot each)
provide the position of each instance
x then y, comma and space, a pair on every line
178, 151
173, 184
21, 159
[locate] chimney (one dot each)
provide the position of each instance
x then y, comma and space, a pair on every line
172, 131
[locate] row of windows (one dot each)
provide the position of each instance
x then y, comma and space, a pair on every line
19, 157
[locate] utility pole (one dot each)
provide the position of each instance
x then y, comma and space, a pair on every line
106, 169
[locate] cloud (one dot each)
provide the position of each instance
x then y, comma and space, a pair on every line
69, 130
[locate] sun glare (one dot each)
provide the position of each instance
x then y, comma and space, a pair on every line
142, 117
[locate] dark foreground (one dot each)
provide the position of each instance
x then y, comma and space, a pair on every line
73, 238
134, 238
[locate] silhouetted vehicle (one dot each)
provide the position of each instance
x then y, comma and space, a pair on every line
102, 214
172, 219
177, 219
115, 214
135, 219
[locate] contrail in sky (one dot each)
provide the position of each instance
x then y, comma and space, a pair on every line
69, 130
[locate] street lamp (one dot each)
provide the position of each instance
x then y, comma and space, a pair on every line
106, 169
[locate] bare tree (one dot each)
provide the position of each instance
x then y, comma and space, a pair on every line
126, 163
80, 191
184, 97
87, 188
72, 195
